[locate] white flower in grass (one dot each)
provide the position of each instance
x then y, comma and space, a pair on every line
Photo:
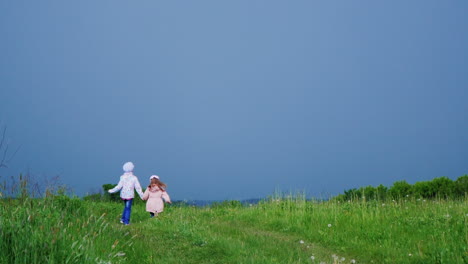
410, 255
334, 256
312, 257
302, 241
329, 225
383, 204
447, 215
353, 261
342, 259
424, 200
120, 254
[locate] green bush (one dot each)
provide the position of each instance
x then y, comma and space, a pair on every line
110, 196
441, 187
461, 186
400, 189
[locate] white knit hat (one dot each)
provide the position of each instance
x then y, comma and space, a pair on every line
154, 177
128, 167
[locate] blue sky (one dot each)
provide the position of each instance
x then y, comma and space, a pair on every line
235, 99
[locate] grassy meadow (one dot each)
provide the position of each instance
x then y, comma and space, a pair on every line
281, 229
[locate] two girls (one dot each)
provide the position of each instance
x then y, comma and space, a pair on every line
154, 194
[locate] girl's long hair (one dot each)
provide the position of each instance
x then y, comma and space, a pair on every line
161, 185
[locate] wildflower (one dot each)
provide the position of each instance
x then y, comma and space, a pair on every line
120, 254
353, 261
334, 256
302, 241
410, 254
329, 225
342, 259
383, 204
407, 195
393, 200
424, 200
312, 257
419, 199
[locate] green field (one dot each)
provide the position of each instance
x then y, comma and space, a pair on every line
290, 229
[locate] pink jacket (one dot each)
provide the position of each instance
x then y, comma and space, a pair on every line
155, 196
127, 184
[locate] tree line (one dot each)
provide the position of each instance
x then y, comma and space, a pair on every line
441, 187
438, 188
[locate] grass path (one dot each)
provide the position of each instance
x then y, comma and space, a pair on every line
208, 237
297, 250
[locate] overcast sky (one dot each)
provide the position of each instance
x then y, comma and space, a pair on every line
235, 99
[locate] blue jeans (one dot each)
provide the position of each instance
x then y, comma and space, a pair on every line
126, 212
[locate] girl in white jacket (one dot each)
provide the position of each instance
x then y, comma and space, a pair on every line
127, 184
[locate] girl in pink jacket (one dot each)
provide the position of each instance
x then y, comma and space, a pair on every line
154, 195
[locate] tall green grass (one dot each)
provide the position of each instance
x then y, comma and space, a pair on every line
282, 229
56, 229
406, 231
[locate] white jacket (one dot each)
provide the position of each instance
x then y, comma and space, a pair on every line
127, 184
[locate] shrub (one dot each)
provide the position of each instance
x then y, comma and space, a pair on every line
461, 186
400, 189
